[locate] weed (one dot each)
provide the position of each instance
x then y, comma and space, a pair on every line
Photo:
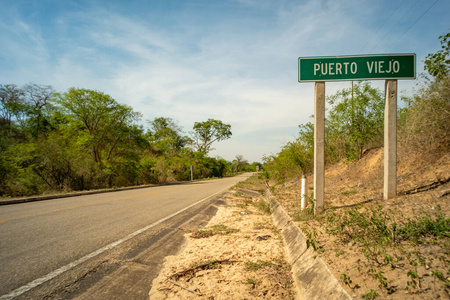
426, 226
252, 282
349, 192
370, 295
257, 265
437, 274
345, 279
367, 227
264, 206
311, 238
280, 264
414, 277
389, 260
277, 264
320, 250
381, 279
304, 215
207, 264
245, 204
215, 229
254, 182
308, 213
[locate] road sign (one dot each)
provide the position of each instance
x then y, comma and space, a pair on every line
357, 67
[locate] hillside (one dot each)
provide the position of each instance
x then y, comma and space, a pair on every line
390, 249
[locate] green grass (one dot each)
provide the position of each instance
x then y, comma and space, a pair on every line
350, 192
252, 183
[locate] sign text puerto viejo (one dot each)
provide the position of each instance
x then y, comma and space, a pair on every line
357, 67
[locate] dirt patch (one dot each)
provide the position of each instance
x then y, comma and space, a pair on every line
238, 255
387, 249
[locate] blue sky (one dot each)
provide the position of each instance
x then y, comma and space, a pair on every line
235, 61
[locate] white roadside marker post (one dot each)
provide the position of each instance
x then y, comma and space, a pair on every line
304, 201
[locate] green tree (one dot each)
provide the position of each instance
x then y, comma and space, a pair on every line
26, 108
166, 136
38, 104
24, 115
438, 64
208, 132
12, 108
239, 163
355, 120
104, 128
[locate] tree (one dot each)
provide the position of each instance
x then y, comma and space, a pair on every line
239, 163
208, 132
103, 127
38, 100
354, 121
166, 136
11, 104
438, 64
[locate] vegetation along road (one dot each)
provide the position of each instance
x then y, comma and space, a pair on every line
53, 246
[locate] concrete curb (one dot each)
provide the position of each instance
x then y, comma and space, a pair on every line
312, 277
74, 194
50, 197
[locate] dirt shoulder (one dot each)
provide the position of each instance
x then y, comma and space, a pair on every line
238, 255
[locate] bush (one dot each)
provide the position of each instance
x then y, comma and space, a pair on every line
424, 125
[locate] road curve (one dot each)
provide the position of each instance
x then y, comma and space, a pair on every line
43, 239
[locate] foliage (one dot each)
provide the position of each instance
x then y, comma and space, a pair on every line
375, 229
239, 164
166, 137
355, 120
264, 206
253, 182
354, 123
438, 64
207, 132
415, 229
84, 139
293, 160
424, 125
370, 295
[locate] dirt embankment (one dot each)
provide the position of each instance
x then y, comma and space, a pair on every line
382, 249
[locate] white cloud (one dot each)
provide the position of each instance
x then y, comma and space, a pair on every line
234, 61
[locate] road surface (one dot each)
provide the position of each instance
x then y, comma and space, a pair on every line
65, 247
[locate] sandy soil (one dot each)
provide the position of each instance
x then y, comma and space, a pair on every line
239, 255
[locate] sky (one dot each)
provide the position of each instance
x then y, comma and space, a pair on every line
191, 60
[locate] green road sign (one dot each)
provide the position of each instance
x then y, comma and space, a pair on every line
357, 67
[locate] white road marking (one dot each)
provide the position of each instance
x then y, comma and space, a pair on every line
25, 288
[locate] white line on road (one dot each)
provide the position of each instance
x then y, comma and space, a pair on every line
53, 274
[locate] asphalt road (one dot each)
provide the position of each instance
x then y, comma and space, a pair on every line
43, 242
